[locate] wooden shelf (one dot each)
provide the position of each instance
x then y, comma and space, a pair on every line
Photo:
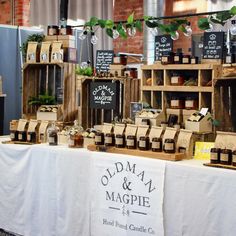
178, 88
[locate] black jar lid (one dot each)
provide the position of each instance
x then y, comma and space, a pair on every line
131, 137
66, 27
143, 138
156, 139
119, 135
215, 150
53, 26
226, 151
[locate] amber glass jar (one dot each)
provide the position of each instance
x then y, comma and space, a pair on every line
215, 155
156, 144
191, 103
143, 143
99, 138
169, 146
65, 30
176, 80
176, 103
109, 139
120, 140
131, 141
53, 30
234, 158
22, 136
178, 57
226, 157
31, 137
13, 135
186, 59
76, 141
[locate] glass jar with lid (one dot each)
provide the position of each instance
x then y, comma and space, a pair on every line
76, 138
53, 134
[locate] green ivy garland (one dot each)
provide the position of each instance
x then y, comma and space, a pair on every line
154, 22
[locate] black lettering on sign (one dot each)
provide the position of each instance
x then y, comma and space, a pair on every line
213, 45
104, 58
103, 95
163, 43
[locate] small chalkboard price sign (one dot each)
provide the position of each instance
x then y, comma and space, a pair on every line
103, 95
104, 58
213, 44
163, 43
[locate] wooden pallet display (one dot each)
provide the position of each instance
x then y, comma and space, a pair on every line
41, 78
229, 167
90, 117
136, 152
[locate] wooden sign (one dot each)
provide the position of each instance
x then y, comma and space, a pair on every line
213, 44
103, 95
163, 44
104, 58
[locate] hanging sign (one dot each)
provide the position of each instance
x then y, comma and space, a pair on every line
104, 58
103, 95
163, 44
213, 44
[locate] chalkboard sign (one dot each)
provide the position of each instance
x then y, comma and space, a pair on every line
104, 59
134, 108
213, 44
103, 95
163, 44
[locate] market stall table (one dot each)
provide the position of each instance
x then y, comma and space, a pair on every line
48, 191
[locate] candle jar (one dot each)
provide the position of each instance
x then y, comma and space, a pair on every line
176, 80
65, 30
99, 138
143, 143
167, 58
156, 144
109, 139
169, 146
191, 103
13, 135
176, 103
131, 142
234, 158
178, 57
53, 135
31, 137
226, 157
76, 138
186, 59
53, 30
120, 140
215, 155
182, 150
22, 136
194, 60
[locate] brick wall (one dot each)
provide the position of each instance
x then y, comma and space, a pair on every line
17, 14
122, 10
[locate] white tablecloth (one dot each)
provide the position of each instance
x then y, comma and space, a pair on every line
45, 191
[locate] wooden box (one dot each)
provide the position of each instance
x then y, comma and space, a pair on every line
154, 121
68, 41
49, 115
117, 70
70, 55
204, 125
177, 112
187, 114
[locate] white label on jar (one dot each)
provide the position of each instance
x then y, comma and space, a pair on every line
185, 60
108, 140
164, 59
156, 145
98, 139
169, 146
214, 156
189, 103
119, 141
130, 142
12, 135
174, 80
234, 158
142, 143
224, 157
51, 140
174, 103
176, 58
20, 136
28, 137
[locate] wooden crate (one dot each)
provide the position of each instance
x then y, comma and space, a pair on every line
56, 79
90, 117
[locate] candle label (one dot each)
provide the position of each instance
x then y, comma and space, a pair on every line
234, 158
12, 135
224, 157
169, 146
71, 142
130, 142
119, 141
186, 60
142, 143
214, 156
174, 103
175, 79
20, 136
108, 140
28, 137
98, 139
156, 145
189, 103
51, 139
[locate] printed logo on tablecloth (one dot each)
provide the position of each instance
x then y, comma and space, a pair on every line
129, 199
